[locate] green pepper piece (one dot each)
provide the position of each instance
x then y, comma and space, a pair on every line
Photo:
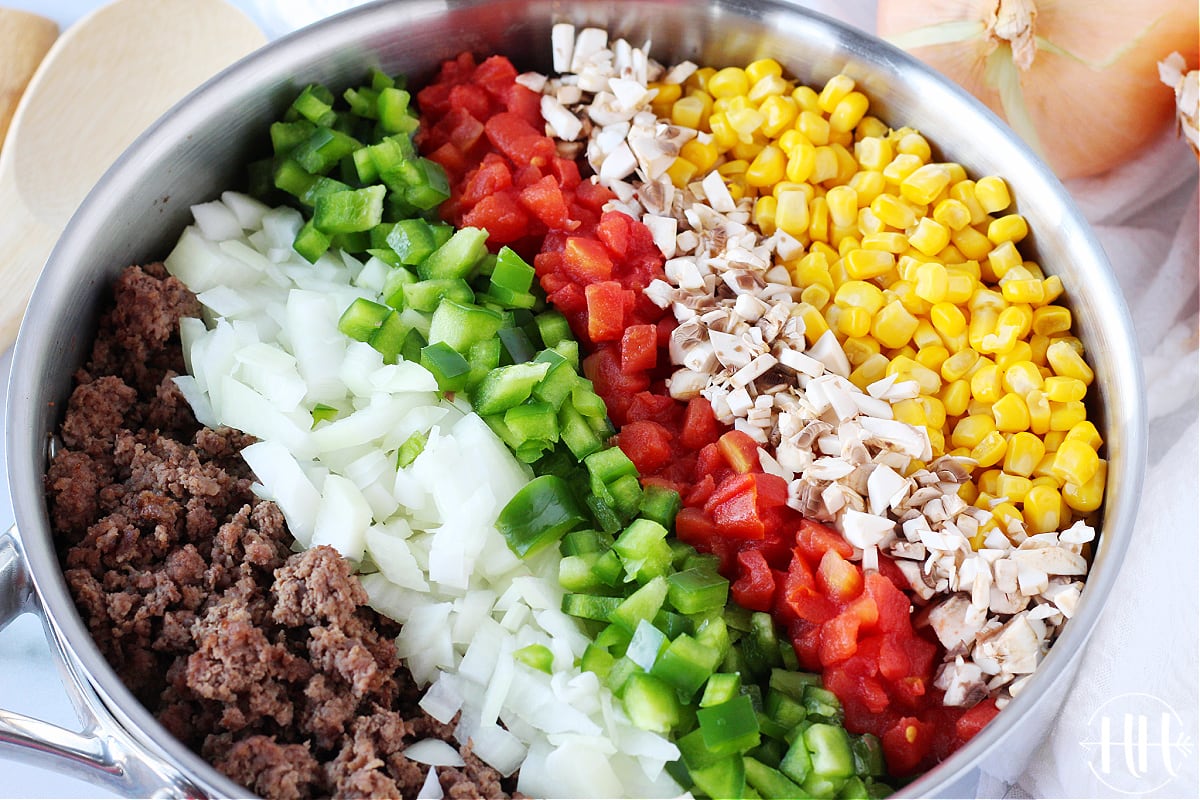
390, 336
604, 514
293, 178
456, 258
412, 240
820, 702
626, 492
311, 243
362, 102
792, 683
532, 421
576, 574
643, 604
539, 514
731, 727
642, 547
829, 746
323, 149
511, 271
721, 687
694, 591
516, 345
723, 778
461, 325
770, 783
647, 644
285, 136
413, 446
578, 543
505, 387
484, 356
362, 318
686, 664
609, 464
586, 401
608, 569
650, 703
783, 709
553, 327
569, 349
661, 505
589, 606
323, 413
578, 436
447, 365
537, 656
392, 111
349, 211
868, 755
315, 104
598, 660
796, 762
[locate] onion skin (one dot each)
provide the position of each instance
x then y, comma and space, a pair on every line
1088, 117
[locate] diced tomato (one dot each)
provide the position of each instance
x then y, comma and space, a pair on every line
450, 158
755, 585
974, 718
711, 462
501, 215
806, 641
491, 176
639, 348
472, 99
647, 444
700, 491
586, 261
647, 405
603, 369
694, 527
496, 74
566, 172
800, 594
814, 539
839, 638
740, 451
592, 195
837, 578
892, 604
905, 744
544, 199
606, 311
700, 426
772, 491
513, 136
738, 515
613, 231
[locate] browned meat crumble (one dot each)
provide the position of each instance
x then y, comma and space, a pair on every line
266, 662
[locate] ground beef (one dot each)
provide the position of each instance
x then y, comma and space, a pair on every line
266, 662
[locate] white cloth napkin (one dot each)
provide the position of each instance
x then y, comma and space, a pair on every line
1146, 216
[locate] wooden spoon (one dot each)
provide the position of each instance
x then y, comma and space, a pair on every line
24, 40
102, 83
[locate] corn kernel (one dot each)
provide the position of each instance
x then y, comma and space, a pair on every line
990, 450
691, 112
1021, 377
1044, 471
935, 411
964, 192
1053, 287
730, 169
1061, 390
814, 321
843, 205
1014, 487
825, 164
959, 365
986, 385
818, 220
893, 326
807, 98
724, 136
704, 156
992, 193
973, 244
768, 167
870, 370
905, 292
933, 357
952, 213
907, 368
834, 90
900, 167
873, 153
745, 122
1041, 509
947, 318
728, 82
968, 491
1064, 416
889, 209
927, 336
768, 86
860, 294
764, 214
1021, 351
930, 237
1052, 439
791, 213
925, 183
681, 172
854, 322
814, 127
761, 68
833, 316
779, 114
865, 264
870, 128
1067, 362
892, 242
1011, 413
1009, 228
955, 396
1003, 258
960, 285
848, 112
869, 223
1024, 452
1075, 462
909, 411
1039, 411
859, 348
847, 244
1085, 432
914, 144
1012, 324
1049, 320
801, 161
932, 280
1031, 291
1087, 497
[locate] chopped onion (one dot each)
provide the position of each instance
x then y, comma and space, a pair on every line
431, 789
434, 752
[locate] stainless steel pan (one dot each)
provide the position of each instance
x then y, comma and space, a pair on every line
200, 147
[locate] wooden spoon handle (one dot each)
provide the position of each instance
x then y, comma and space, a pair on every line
24, 40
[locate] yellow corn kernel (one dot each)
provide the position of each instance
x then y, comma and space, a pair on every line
738, 188
779, 115
843, 205
914, 144
986, 385
1032, 291
1049, 320
933, 356
1061, 389
960, 285
833, 316
1041, 509
898, 356
1053, 287
1044, 471
1024, 452
747, 150
764, 214
935, 411
968, 491
1021, 351
665, 93
927, 336
989, 481
1085, 432
814, 321
870, 370
990, 450
860, 294
905, 292
925, 183
1064, 416
848, 112
1075, 462
729, 169
690, 112
1009, 228
959, 365
681, 172
859, 348
955, 396
1022, 377
982, 322
909, 411
873, 153
870, 127
724, 136
932, 280
889, 209
1039, 411
854, 321
1014, 487
815, 295
746, 122
893, 242
807, 98
825, 164
930, 237
814, 127
867, 185
1012, 324
865, 264
1052, 439
791, 213
964, 192
761, 68
1037, 347
1087, 497
937, 441
907, 368
947, 318
952, 213
818, 220
893, 326
1002, 258
768, 167
728, 82
869, 223
1066, 361
992, 193
834, 90
1011, 413
900, 167
847, 244
801, 161
768, 86
703, 155
973, 244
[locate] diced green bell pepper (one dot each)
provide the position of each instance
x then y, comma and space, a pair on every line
694, 591
539, 514
686, 664
650, 703
770, 782
537, 656
461, 325
731, 727
457, 257
427, 295
643, 604
505, 387
349, 211
447, 365
362, 318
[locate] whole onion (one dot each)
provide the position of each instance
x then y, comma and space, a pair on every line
1077, 79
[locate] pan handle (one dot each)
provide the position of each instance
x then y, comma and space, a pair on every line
100, 752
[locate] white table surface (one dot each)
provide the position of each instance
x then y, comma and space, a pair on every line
29, 680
